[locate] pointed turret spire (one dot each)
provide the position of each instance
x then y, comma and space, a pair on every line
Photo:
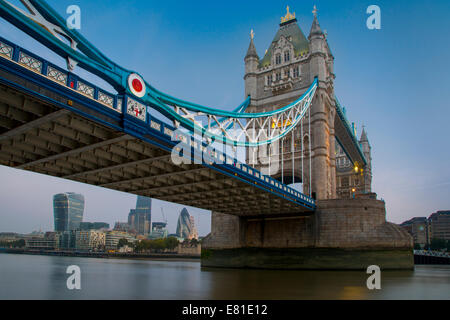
364, 135
251, 52
315, 28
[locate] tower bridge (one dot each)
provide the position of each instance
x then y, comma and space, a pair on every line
53, 122
49, 128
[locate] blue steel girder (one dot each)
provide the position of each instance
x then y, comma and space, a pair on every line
111, 110
346, 138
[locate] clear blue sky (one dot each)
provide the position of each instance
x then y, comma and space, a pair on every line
395, 81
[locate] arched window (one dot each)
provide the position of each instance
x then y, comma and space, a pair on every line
287, 56
278, 59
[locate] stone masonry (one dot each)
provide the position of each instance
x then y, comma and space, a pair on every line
356, 227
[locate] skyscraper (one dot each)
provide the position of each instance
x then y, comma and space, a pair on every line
140, 218
186, 227
68, 209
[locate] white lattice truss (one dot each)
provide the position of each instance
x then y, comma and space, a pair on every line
259, 129
55, 30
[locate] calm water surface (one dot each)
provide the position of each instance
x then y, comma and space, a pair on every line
42, 277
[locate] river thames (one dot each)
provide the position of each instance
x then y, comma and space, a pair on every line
44, 277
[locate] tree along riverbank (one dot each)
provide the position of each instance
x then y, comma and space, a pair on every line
103, 255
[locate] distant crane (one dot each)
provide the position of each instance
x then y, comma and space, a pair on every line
164, 216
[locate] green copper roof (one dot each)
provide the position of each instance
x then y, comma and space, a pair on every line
293, 33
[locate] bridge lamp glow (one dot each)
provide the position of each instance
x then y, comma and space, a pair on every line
136, 85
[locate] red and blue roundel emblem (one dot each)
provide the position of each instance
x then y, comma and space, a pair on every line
136, 85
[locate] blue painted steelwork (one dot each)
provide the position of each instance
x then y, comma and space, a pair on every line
348, 127
48, 27
152, 130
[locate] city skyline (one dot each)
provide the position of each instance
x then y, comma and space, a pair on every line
157, 216
405, 174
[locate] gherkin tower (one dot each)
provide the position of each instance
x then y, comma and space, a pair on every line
184, 225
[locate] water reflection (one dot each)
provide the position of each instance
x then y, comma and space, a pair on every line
40, 277
276, 285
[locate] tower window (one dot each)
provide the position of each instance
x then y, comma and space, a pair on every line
278, 76
296, 72
287, 56
278, 59
345, 182
269, 80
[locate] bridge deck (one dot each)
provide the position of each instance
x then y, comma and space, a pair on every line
51, 129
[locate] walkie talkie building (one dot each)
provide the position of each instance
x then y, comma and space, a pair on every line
68, 209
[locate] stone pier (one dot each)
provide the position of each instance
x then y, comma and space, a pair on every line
349, 234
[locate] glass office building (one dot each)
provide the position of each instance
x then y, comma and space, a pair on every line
86, 226
140, 218
68, 209
159, 230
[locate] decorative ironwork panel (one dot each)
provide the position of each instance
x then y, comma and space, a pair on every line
136, 109
6, 51
168, 132
57, 75
119, 104
106, 99
155, 125
180, 137
30, 62
85, 89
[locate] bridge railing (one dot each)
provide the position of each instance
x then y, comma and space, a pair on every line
60, 76
432, 253
135, 110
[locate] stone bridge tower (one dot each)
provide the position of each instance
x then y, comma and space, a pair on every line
343, 234
286, 71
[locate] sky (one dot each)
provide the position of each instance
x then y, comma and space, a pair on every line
394, 81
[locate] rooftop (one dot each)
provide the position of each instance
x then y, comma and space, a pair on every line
292, 32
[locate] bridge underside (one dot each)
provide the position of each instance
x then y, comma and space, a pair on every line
44, 138
347, 140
